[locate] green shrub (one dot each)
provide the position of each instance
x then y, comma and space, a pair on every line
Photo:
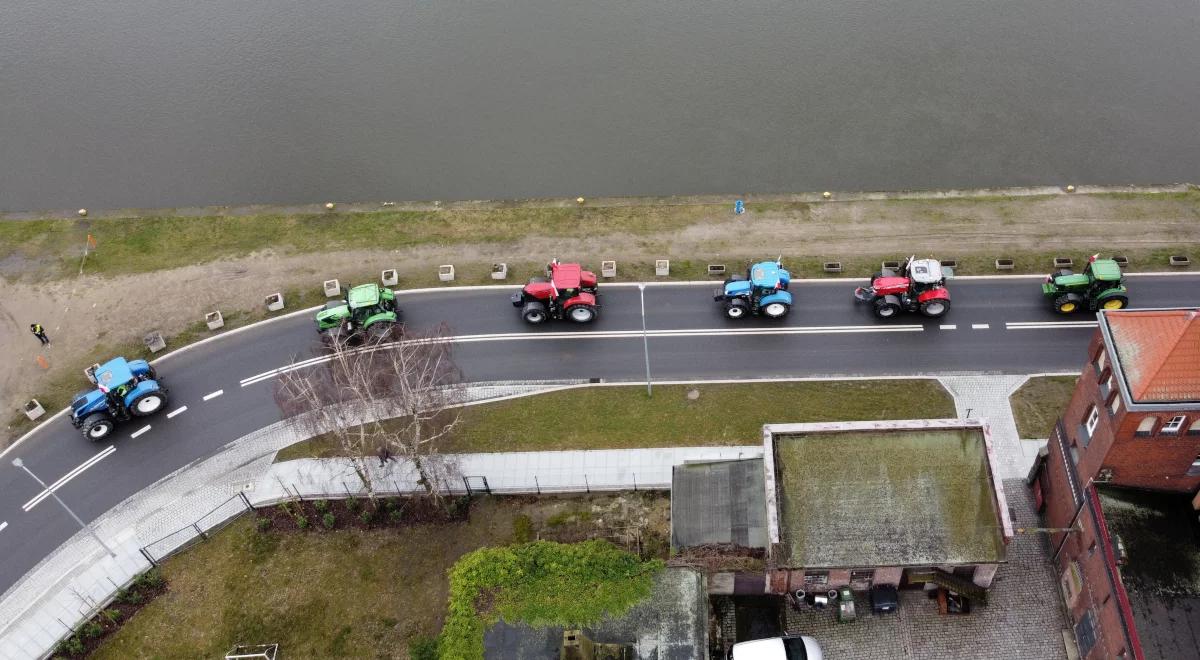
522, 529
321, 505
352, 504
302, 522
129, 596
366, 516
328, 520
111, 615
423, 648
91, 630
69, 647
396, 516
263, 523
151, 579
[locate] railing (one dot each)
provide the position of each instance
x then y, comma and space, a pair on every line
182, 538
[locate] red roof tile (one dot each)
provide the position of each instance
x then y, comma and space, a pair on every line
1159, 352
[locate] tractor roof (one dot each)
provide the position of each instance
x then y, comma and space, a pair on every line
566, 276
925, 271
363, 295
1106, 270
767, 274
113, 373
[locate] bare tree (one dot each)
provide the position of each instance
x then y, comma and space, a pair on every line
382, 401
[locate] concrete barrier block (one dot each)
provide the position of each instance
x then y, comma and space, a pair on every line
333, 288
1005, 264
214, 320
1122, 260
33, 409
608, 269
662, 267
154, 341
1063, 262
274, 302
949, 263
446, 272
716, 269
890, 265
500, 271
389, 277
832, 266
1179, 260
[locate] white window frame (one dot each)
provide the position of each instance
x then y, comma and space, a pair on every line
1173, 425
1093, 419
1114, 405
1101, 360
1143, 430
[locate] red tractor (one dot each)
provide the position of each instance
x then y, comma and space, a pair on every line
567, 292
919, 286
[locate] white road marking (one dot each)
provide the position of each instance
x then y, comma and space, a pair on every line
213, 395
1042, 325
613, 334
949, 327
67, 477
176, 411
3, 525
140, 431
980, 326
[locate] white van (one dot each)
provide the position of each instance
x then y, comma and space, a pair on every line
797, 647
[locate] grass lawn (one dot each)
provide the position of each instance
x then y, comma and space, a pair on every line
616, 417
1039, 402
335, 594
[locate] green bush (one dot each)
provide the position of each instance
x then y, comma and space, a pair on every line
70, 647
151, 579
111, 615
91, 630
328, 520
352, 504
522, 529
321, 505
540, 584
129, 596
263, 523
423, 648
396, 516
302, 522
366, 516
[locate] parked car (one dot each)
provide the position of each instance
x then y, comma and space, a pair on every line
793, 647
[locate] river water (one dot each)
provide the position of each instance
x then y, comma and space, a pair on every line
178, 102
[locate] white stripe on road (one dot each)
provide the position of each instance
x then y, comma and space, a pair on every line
980, 326
140, 431
1039, 325
949, 327
176, 411
612, 334
67, 477
213, 395
3, 525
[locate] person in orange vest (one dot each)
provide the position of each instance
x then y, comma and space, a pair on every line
39, 332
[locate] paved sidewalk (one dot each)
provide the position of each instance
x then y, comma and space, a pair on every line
986, 398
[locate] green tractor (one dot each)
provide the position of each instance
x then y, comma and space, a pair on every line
368, 311
1101, 285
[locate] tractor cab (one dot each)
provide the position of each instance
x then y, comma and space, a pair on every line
1101, 285
567, 291
920, 285
124, 389
762, 291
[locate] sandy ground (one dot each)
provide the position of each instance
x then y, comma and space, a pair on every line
87, 313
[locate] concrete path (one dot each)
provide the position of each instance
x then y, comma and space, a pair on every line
986, 398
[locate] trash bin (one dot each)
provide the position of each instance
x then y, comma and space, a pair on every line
846, 610
884, 598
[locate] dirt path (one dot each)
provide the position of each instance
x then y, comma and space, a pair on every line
88, 314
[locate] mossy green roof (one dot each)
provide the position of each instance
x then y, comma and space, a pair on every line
886, 498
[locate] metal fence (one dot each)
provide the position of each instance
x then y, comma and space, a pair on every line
215, 519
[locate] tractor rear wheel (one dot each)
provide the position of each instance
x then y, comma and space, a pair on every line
776, 310
380, 332
97, 426
582, 313
1114, 302
534, 312
737, 308
1068, 304
147, 403
886, 309
935, 308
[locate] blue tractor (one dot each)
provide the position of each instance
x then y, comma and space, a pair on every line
762, 291
124, 389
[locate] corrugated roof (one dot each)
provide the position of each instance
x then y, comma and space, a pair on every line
1159, 352
719, 503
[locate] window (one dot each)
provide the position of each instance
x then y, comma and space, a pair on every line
1195, 469
1194, 429
1074, 455
1071, 583
1101, 361
1147, 426
1173, 426
1092, 419
1092, 549
1106, 385
1085, 633
1114, 403
861, 576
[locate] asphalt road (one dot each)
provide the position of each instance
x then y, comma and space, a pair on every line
827, 334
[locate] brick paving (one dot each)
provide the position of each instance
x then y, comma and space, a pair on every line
986, 398
1023, 618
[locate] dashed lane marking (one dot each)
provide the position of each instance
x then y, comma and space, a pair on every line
1048, 325
67, 477
949, 327
614, 334
178, 410
140, 431
213, 395
3, 525
980, 326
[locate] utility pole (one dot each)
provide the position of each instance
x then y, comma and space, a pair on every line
21, 464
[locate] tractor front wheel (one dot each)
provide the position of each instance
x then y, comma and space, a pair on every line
335, 337
534, 312
582, 313
1068, 304
776, 310
935, 308
737, 308
97, 426
886, 309
147, 403
1114, 302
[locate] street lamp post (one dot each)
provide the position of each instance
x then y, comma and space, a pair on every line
645, 339
21, 464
